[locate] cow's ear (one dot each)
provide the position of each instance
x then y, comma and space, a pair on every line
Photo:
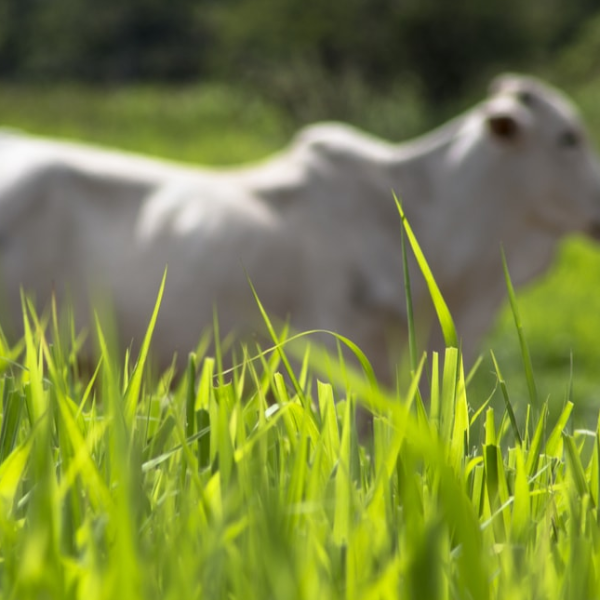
503, 126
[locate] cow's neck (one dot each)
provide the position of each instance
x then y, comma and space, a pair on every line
432, 141
416, 169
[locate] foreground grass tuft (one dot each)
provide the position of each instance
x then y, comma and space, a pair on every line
244, 486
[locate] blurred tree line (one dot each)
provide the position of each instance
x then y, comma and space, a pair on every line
292, 48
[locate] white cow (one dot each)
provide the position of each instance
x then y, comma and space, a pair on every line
315, 228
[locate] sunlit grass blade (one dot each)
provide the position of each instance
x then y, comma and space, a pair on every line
459, 445
448, 395
190, 397
441, 308
410, 319
554, 444
330, 433
521, 513
343, 483
132, 393
537, 442
11, 473
490, 455
577, 471
36, 399
435, 401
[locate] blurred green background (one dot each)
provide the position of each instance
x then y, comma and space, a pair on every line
354, 59
222, 82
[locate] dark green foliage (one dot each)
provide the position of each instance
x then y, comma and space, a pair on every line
87, 40
296, 51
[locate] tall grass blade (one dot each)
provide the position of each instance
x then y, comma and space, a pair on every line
521, 514
435, 402
343, 482
554, 445
132, 394
410, 319
577, 471
448, 395
525, 355
459, 446
190, 397
535, 447
507, 403
11, 473
441, 308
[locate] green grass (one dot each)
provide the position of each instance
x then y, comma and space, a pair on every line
252, 485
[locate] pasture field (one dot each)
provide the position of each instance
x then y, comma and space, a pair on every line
119, 484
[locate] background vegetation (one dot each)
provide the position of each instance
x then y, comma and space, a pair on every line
303, 54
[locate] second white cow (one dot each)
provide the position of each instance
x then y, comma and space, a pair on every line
315, 228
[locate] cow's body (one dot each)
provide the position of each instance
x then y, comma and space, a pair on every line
315, 228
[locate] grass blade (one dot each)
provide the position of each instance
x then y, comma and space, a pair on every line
441, 308
525, 355
132, 394
507, 403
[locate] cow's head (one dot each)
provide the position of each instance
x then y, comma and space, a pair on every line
555, 172
519, 172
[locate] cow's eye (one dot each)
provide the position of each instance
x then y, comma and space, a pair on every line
525, 98
568, 139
